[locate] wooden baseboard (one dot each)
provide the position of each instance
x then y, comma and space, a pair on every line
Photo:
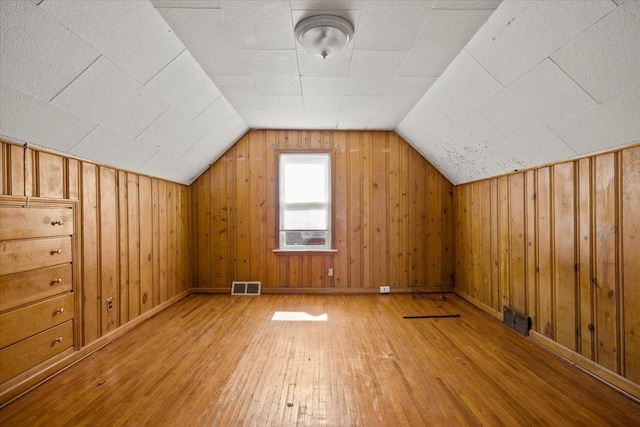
327, 291
603, 374
16, 387
479, 304
610, 378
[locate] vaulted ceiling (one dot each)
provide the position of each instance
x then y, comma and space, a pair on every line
164, 87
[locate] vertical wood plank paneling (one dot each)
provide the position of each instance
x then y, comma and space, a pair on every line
133, 250
392, 224
367, 212
581, 264
123, 237
109, 276
446, 230
355, 213
584, 251
517, 288
243, 214
379, 217
630, 233
564, 274
418, 215
484, 245
155, 224
146, 243
341, 213
90, 266
205, 222
17, 178
473, 235
73, 182
123, 234
604, 205
504, 239
5, 166
434, 227
163, 232
257, 201
545, 254
495, 247
531, 247
172, 250
50, 175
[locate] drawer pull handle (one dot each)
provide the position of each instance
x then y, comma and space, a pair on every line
59, 339
58, 280
58, 252
60, 310
57, 223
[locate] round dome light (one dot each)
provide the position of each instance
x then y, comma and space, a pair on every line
324, 35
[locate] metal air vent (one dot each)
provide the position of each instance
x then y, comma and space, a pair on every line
245, 288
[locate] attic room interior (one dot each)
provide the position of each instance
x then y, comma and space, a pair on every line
309, 212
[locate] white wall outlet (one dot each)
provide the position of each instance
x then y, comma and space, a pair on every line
330, 272
385, 289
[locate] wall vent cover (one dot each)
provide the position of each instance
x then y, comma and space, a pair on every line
514, 320
245, 288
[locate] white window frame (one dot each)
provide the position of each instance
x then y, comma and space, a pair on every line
302, 157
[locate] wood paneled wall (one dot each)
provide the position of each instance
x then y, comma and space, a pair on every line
393, 216
134, 232
561, 244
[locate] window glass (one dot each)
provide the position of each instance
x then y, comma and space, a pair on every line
305, 201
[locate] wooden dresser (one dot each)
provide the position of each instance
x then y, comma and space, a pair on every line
37, 286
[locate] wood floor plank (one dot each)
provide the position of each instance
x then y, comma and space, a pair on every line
222, 360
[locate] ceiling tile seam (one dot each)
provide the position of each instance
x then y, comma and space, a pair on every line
491, 123
85, 137
166, 65
189, 7
615, 9
356, 26
575, 82
562, 139
149, 125
586, 111
78, 76
488, 72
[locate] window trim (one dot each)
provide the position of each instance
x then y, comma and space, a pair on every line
307, 250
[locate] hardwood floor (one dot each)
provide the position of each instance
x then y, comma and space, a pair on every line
213, 360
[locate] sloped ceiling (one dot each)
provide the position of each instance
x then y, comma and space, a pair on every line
165, 87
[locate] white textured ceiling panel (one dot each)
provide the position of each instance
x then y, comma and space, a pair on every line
48, 59
602, 68
25, 118
404, 92
172, 133
464, 87
184, 86
443, 36
520, 34
114, 148
542, 96
107, 95
378, 27
142, 44
568, 70
260, 25
170, 167
535, 149
608, 125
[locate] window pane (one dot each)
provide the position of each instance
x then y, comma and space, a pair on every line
305, 200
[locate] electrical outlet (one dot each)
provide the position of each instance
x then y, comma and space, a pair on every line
109, 304
330, 272
385, 289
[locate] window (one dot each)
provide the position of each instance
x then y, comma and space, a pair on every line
305, 201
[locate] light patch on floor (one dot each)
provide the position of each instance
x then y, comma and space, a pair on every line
298, 316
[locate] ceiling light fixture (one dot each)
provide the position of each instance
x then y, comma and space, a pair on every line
324, 35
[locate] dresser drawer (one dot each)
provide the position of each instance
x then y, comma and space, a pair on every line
30, 286
22, 223
22, 323
29, 254
26, 354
